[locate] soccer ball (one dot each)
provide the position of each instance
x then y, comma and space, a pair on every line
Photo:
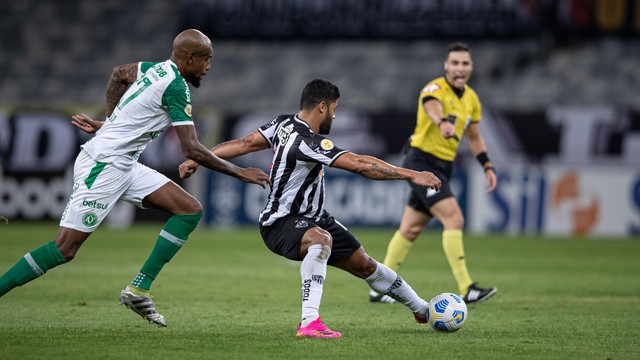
446, 312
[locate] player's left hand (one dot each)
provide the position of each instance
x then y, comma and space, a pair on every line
254, 176
492, 180
86, 124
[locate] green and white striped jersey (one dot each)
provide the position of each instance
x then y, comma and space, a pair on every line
159, 98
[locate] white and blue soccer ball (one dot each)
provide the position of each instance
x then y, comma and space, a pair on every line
446, 312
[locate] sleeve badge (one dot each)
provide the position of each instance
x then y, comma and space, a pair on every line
430, 88
326, 144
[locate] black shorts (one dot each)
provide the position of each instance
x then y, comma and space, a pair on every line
421, 161
284, 235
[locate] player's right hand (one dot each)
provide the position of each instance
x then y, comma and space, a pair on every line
86, 124
427, 179
254, 176
187, 169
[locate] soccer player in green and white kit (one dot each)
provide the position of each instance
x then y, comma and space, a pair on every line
143, 99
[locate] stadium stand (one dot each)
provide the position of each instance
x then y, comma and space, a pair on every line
63, 51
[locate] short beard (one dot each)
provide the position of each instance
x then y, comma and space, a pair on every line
325, 126
193, 80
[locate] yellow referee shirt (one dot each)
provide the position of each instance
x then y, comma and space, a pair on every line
464, 110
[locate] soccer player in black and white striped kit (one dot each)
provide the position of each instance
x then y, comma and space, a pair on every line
294, 223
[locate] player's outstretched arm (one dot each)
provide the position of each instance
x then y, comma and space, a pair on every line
376, 169
228, 150
434, 110
197, 152
238, 147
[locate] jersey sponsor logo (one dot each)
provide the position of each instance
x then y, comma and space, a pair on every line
187, 110
326, 144
94, 204
187, 93
431, 88
284, 132
89, 219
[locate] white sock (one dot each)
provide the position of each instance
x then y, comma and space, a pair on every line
386, 281
313, 271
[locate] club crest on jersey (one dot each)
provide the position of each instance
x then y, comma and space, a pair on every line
326, 144
300, 224
187, 110
430, 88
89, 219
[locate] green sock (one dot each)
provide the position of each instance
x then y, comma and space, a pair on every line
30, 266
173, 235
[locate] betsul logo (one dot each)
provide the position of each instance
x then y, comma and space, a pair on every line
582, 207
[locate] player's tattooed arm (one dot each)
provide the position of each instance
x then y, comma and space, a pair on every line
121, 77
376, 169
369, 167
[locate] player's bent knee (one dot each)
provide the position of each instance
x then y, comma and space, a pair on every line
455, 222
411, 233
194, 207
318, 236
359, 264
370, 268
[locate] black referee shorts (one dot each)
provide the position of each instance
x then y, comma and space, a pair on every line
284, 235
421, 161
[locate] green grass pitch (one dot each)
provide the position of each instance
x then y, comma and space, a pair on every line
225, 296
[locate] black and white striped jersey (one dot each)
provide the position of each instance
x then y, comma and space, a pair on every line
297, 175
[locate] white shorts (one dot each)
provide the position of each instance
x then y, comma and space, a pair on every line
98, 186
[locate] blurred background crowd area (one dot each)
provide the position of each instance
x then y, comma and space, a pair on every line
528, 54
558, 80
